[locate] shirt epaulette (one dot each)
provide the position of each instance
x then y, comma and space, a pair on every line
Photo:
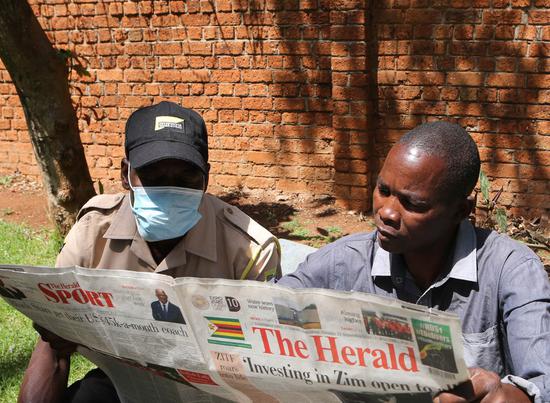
254, 230
103, 202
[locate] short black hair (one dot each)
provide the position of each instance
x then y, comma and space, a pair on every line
454, 145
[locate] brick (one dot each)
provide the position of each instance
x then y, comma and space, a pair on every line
482, 32
193, 76
108, 49
502, 16
415, 63
505, 80
259, 183
262, 130
464, 32
227, 103
506, 64
261, 157
282, 104
137, 49
110, 75
505, 32
465, 63
351, 179
462, 16
167, 49
423, 16
256, 76
349, 64
539, 50
137, 76
342, 33
535, 172
167, 75
537, 111
533, 157
468, 48
256, 103
417, 78
390, 16
234, 48
507, 49
539, 17
230, 181
465, 79
348, 122
232, 76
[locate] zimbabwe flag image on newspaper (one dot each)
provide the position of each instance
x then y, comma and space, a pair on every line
226, 331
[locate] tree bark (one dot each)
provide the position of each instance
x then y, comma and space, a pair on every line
40, 76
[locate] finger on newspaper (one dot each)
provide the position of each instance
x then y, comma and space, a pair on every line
60, 345
484, 387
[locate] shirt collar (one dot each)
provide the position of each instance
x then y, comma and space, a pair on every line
201, 239
464, 265
195, 242
123, 225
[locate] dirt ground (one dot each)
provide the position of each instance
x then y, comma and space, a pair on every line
312, 222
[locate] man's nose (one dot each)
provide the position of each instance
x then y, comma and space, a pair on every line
389, 212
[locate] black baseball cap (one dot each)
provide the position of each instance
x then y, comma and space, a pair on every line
166, 130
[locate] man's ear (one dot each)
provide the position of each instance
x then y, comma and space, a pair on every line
465, 207
124, 164
207, 176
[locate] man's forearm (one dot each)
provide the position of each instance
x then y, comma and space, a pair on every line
45, 379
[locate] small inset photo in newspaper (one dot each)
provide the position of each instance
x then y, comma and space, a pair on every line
435, 346
306, 317
165, 311
386, 324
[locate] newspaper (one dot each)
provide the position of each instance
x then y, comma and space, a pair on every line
209, 340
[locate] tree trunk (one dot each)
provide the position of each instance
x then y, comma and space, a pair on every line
40, 76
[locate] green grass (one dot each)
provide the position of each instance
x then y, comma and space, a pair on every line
296, 230
5, 181
22, 245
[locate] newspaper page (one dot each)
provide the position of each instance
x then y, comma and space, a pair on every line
322, 345
225, 340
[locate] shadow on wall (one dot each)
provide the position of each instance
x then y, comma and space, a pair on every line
291, 43
477, 67
423, 60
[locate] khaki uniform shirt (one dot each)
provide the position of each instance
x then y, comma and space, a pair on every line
225, 243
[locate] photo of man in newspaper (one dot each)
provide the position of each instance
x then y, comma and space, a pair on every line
164, 310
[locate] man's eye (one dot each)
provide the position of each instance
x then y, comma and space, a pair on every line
383, 190
193, 183
413, 206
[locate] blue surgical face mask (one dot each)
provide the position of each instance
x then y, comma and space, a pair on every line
165, 212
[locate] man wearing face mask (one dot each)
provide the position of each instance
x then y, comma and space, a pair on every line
166, 223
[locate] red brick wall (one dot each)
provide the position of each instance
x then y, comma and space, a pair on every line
483, 64
306, 97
